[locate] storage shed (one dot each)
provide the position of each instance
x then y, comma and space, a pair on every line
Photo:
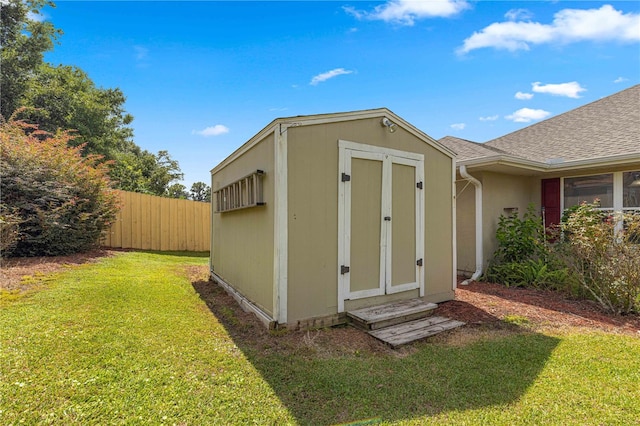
318, 215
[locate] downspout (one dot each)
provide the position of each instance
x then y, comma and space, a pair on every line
479, 253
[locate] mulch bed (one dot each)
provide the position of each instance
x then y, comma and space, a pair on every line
482, 303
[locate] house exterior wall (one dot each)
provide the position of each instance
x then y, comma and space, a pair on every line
313, 214
243, 240
465, 228
500, 193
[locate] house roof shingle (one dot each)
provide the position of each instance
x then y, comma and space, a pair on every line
607, 127
604, 128
467, 150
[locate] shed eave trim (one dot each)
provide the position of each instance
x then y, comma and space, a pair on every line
289, 122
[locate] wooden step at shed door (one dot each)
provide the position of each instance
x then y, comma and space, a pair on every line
389, 314
401, 334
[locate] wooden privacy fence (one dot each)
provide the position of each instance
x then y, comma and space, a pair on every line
149, 222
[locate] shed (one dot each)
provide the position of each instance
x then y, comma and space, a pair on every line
318, 215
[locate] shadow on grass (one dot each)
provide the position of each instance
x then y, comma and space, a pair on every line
343, 375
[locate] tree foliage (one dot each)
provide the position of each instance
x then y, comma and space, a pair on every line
605, 262
64, 97
57, 201
61, 98
23, 41
200, 191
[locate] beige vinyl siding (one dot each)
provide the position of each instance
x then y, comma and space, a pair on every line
439, 232
465, 228
313, 214
242, 240
502, 192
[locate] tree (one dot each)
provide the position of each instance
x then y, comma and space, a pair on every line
23, 42
64, 97
177, 190
61, 98
58, 201
200, 191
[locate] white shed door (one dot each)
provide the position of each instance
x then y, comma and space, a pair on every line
380, 222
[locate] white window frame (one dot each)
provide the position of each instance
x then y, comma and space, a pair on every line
618, 202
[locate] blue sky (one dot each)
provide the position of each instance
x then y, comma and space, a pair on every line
201, 78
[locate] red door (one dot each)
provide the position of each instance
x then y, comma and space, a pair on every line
551, 201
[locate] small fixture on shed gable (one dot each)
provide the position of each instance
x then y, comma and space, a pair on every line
385, 122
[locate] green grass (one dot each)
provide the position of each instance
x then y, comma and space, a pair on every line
129, 341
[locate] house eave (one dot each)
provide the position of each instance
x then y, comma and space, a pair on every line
519, 166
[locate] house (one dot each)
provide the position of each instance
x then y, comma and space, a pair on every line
587, 153
318, 215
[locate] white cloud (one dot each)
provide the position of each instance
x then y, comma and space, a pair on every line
458, 126
526, 115
406, 12
620, 80
141, 52
327, 75
216, 130
490, 118
568, 26
518, 14
570, 90
523, 96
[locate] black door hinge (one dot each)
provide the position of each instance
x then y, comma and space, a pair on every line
346, 177
344, 269
419, 262
419, 185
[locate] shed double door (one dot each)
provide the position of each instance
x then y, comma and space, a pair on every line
381, 213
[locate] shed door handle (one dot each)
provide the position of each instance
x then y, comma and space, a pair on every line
387, 218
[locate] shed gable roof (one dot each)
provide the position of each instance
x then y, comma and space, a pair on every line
281, 124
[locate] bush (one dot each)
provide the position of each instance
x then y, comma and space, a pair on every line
519, 239
522, 258
59, 201
605, 264
529, 273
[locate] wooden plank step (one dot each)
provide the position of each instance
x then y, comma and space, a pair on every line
402, 334
381, 316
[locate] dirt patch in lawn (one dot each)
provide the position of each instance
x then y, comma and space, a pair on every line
17, 274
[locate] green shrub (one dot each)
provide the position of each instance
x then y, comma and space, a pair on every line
9, 229
529, 273
519, 239
60, 201
522, 258
606, 264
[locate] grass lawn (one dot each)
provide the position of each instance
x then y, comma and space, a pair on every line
130, 340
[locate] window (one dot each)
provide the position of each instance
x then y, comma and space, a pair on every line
241, 194
587, 189
631, 191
